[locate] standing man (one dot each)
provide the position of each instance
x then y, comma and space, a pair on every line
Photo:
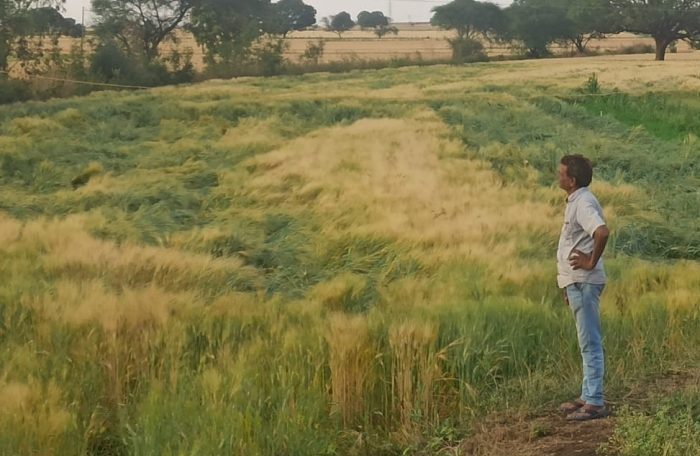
581, 275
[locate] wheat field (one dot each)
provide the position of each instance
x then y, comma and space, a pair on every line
356, 263
413, 41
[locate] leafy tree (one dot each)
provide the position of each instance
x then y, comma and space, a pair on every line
591, 19
228, 28
16, 26
45, 20
375, 19
49, 21
665, 20
289, 15
140, 26
537, 24
585, 19
341, 22
470, 19
73, 29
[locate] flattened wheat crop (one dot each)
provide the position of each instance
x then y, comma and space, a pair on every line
356, 263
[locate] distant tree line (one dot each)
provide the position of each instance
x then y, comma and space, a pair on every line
534, 25
375, 21
127, 37
126, 43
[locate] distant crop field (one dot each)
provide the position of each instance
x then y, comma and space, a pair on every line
357, 263
418, 41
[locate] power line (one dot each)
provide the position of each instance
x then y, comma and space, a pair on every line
75, 81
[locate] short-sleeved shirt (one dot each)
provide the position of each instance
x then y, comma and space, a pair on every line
582, 218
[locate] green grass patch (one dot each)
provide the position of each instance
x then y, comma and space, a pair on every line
667, 116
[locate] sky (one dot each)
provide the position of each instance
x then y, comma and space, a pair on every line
398, 10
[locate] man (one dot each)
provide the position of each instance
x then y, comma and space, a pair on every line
581, 275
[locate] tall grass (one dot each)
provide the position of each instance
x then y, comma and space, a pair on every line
269, 267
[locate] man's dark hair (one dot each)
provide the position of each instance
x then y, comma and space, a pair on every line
579, 168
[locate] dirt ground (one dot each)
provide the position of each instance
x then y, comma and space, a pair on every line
551, 435
539, 436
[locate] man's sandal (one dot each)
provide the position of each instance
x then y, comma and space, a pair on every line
587, 413
571, 406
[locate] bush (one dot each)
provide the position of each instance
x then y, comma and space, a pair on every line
592, 86
467, 50
13, 90
313, 52
110, 64
270, 57
181, 67
637, 48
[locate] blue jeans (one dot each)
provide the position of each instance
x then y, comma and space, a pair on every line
584, 300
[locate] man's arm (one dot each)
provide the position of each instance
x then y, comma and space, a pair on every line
588, 262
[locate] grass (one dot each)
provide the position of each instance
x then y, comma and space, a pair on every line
272, 266
667, 426
667, 116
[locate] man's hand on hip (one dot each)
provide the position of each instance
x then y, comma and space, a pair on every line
579, 260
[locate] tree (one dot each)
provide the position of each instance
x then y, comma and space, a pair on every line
592, 19
45, 20
140, 25
665, 20
73, 29
49, 21
537, 24
364, 19
586, 19
377, 21
228, 28
373, 20
290, 15
341, 22
385, 30
16, 26
470, 19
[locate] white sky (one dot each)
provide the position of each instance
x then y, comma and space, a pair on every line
399, 10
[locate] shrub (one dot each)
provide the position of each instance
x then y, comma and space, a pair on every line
637, 48
313, 52
13, 90
467, 50
270, 57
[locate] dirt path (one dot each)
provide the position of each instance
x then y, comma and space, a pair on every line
552, 435
540, 436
